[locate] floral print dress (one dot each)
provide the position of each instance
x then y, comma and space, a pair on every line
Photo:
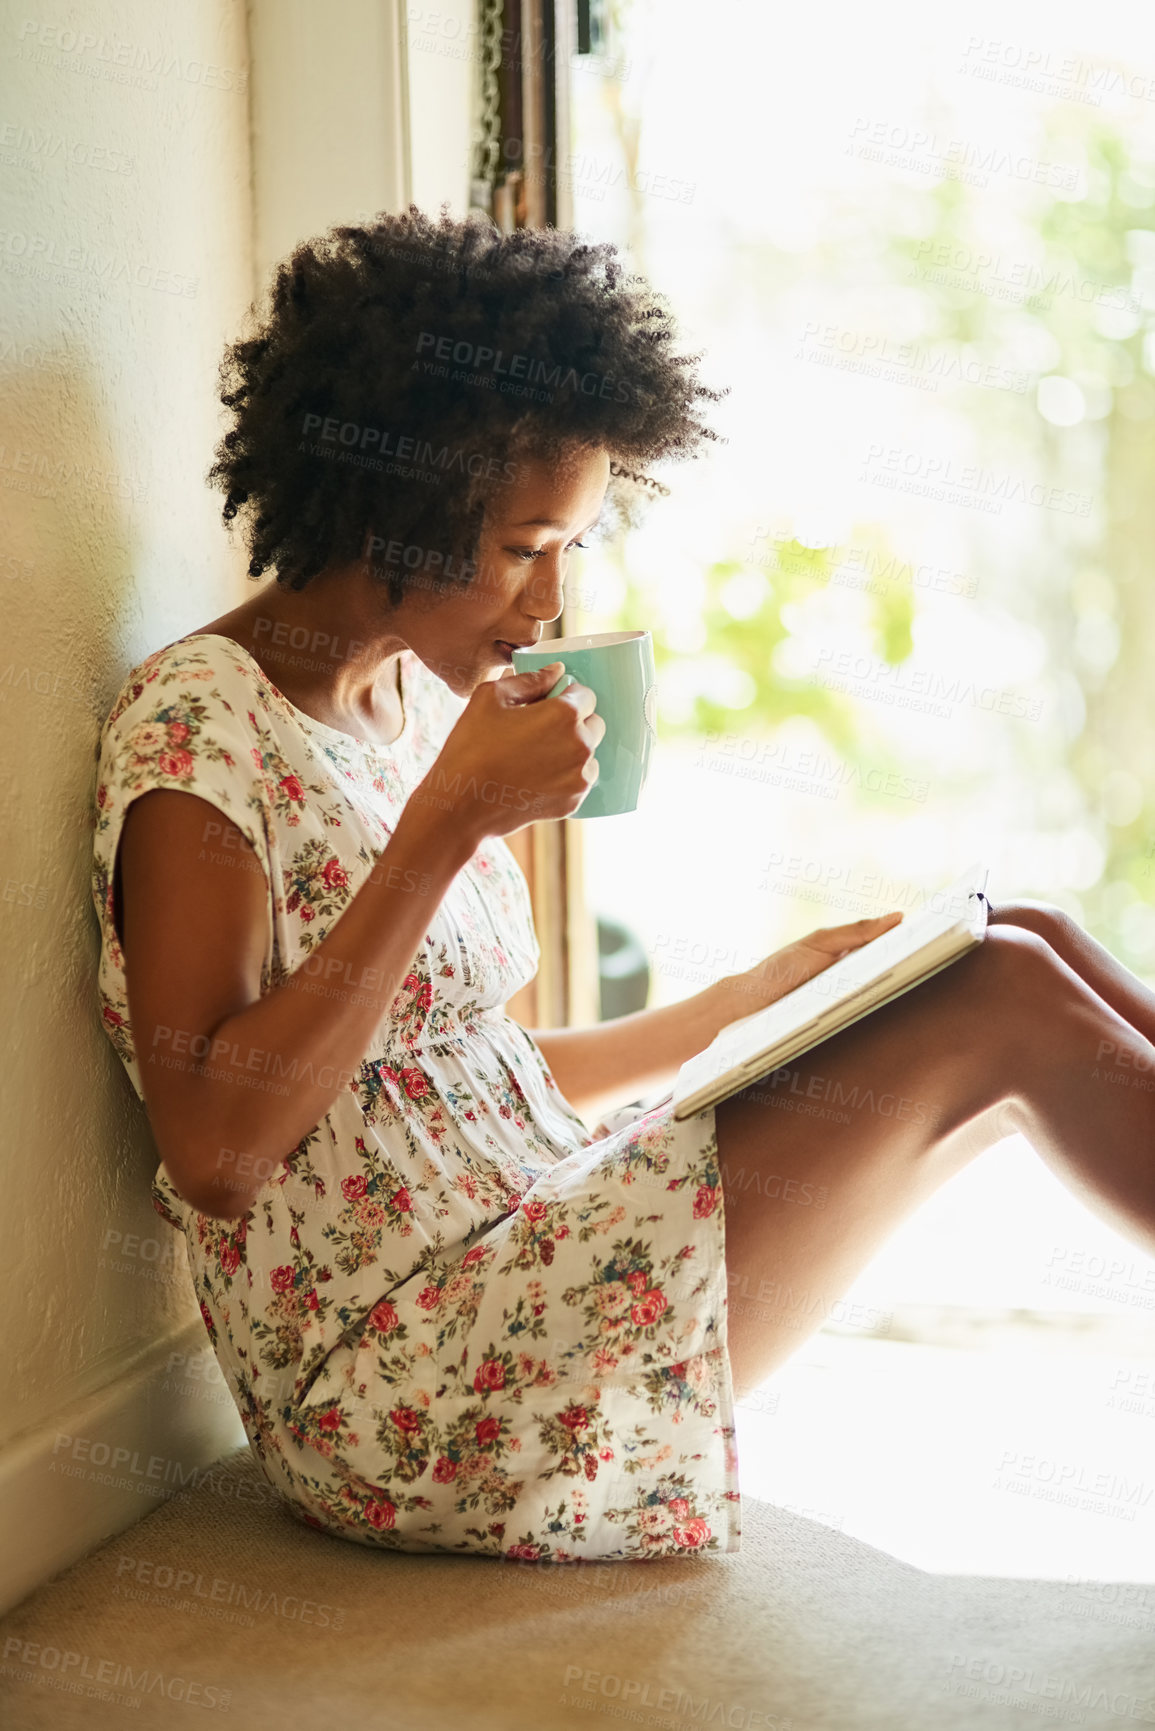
455, 1319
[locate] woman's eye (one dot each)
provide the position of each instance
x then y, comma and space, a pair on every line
528, 553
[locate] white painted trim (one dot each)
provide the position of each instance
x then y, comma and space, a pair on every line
442, 77
330, 119
51, 1518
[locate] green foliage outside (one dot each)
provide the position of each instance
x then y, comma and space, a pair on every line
1075, 307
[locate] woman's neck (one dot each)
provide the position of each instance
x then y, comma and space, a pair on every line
311, 650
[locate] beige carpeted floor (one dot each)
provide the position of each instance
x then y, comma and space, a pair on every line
219, 1608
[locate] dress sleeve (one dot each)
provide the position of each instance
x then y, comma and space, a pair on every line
183, 721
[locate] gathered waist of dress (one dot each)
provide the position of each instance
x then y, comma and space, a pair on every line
447, 1029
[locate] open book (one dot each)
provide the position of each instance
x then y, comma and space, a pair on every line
953, 922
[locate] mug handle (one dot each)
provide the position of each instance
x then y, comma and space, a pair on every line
563, 684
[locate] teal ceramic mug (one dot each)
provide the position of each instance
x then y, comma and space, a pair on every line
618, 667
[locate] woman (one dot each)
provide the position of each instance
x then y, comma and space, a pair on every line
454, 1317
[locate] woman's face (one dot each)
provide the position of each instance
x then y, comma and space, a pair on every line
467, 635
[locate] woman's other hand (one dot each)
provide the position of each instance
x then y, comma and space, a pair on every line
791, 967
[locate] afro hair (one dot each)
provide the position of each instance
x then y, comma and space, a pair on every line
404, 368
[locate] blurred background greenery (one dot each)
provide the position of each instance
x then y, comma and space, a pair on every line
940, 251
903, 619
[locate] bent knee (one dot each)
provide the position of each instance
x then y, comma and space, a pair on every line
1020, 961
1043, 918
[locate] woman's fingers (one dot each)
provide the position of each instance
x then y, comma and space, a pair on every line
800, 961
851, 936
581, 698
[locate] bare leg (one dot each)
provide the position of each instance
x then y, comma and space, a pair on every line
821, 1162
1103, 972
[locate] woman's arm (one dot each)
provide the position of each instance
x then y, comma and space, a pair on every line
600, 1067
233, 1080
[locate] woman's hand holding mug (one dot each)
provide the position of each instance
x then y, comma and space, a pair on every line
512, 758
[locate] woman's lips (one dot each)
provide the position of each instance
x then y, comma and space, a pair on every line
505, 650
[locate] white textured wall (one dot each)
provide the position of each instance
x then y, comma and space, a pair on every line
146, 184
125, 259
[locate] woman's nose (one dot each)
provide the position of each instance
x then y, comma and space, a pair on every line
544, 592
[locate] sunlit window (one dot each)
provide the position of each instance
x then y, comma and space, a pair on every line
905, 617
